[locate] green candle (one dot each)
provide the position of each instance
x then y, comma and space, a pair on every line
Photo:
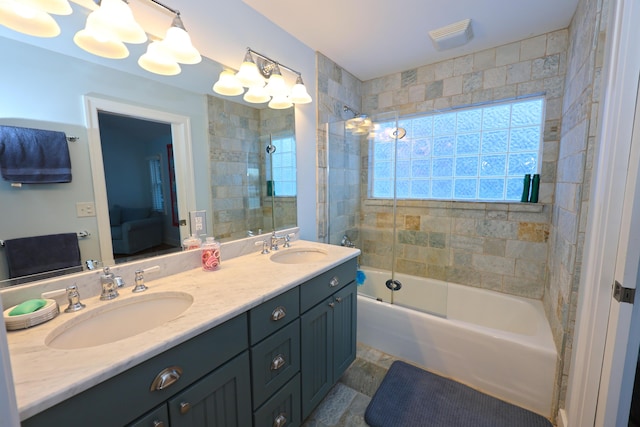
535, 188
525, 188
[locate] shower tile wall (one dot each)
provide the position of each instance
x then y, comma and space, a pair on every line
237, 167
336, 88
495, 246
578, 146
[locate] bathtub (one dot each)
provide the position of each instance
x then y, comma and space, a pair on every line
496, 343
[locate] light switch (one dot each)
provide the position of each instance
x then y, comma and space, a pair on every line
84, 209
198, 221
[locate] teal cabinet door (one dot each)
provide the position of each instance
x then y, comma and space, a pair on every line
344, 329
220, 399
316, 333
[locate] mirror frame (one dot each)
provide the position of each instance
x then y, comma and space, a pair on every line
181, 136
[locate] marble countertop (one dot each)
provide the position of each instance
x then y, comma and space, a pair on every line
44, 376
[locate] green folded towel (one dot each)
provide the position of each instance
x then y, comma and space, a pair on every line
28, 307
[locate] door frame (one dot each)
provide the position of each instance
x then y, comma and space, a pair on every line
183, 163
593, 394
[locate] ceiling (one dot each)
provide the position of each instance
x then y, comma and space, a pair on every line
369, 38
373, 38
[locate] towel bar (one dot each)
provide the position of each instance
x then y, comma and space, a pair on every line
80, 234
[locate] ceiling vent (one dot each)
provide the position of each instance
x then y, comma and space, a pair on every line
453, 35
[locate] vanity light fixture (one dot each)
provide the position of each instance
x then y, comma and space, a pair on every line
157, 59
32, 16
106, 31
252, 75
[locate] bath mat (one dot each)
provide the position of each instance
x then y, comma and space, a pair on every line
410, 396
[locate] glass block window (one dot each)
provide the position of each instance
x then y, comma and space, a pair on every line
282, 175
478, 153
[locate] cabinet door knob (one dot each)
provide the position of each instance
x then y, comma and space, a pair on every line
278, 362
166, 377
184, 407
338, 299
279, 421
332, 304
157, 423
334, 282
278, 313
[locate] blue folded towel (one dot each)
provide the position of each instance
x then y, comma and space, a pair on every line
38, 254
34, 156
360, 277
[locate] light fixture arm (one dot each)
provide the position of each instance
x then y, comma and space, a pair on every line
174, 11
272, 63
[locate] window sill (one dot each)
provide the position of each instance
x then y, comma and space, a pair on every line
452, 204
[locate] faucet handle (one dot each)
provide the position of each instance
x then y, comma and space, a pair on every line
140, 286
265, 246
74, 300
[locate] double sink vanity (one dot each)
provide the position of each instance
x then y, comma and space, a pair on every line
259, 342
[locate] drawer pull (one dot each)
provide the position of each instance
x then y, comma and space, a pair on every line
167, 377
280, 421
278, 313
157, 423
332, 304
185, 407
278, 362
334, 282
338, 299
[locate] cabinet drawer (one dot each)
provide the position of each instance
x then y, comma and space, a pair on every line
159, 417
129, 392
272, 315
274, 361
320, 287
283, 409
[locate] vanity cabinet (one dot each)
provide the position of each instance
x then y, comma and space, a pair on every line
268, 367
200, 362
328, 331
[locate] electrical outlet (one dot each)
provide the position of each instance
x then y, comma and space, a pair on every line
84, 209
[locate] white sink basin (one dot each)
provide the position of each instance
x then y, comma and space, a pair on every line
299, 256
118, 319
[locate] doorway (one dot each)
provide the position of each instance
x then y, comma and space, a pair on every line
139, 174
183, 179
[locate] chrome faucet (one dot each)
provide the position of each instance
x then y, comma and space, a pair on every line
346, 242
109, 285
275, 239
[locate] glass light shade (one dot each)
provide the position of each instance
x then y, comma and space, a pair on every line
178, 42
158, 60
57, 7
256, 94
276, 85
249, 75
116, 16
280, 102
99, 41
299, 94
228, 84
26, 18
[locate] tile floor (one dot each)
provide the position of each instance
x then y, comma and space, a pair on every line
346, 403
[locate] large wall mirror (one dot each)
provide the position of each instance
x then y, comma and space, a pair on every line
227, 167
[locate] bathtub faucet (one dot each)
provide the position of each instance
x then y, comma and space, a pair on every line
346, 242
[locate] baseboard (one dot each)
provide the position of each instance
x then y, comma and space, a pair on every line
562, 418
